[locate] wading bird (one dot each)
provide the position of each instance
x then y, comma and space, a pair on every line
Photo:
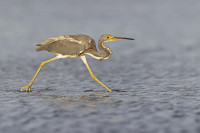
75, 46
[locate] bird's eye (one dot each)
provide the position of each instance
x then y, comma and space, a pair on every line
108, 37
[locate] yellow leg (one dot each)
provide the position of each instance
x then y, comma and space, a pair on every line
92, 75
40, 67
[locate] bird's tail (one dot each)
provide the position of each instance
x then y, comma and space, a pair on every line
38, 44
39, 48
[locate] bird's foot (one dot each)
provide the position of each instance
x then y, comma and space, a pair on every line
22, 89
107, 88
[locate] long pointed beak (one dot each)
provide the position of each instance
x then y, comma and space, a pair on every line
121, 38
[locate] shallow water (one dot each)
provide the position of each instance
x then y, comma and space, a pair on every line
155, 79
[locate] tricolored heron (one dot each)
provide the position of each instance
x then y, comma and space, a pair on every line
75, 46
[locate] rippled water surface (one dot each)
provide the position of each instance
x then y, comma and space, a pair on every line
155, 79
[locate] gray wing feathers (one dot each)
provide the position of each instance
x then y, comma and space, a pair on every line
46, 42
67, 45
64, 47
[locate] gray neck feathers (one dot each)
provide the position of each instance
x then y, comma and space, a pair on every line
106, 52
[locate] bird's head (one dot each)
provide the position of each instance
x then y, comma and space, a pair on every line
108, 38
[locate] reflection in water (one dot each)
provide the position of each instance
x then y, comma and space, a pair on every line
70, 102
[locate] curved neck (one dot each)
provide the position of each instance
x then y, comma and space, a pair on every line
104, 54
